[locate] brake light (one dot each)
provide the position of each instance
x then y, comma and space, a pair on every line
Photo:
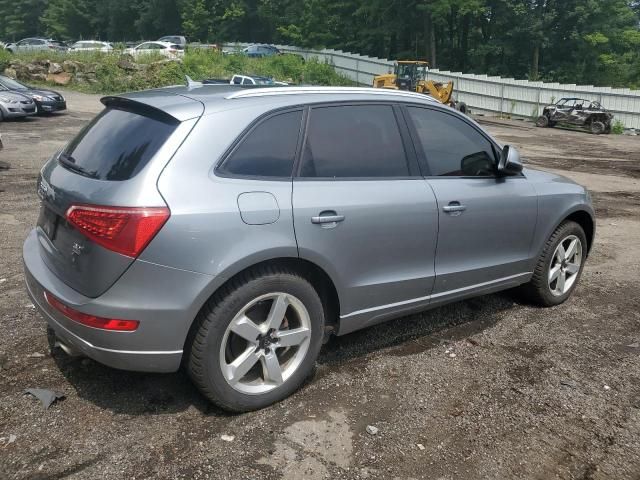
126, 230
112, 324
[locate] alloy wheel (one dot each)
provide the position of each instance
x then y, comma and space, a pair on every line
265, 343
565, 265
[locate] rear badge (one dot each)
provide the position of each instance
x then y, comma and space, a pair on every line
77, 249
45, 190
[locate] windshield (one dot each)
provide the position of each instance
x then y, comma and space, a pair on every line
406, 71
12, 84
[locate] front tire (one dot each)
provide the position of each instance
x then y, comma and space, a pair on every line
559, 267
597, 128
257, 340
542, 121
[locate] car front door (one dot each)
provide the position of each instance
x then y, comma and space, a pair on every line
486, 222
363, 213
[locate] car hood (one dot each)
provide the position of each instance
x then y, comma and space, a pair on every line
13, 95
37, 91
540, 176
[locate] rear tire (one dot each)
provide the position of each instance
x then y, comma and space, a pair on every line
223, 344
462, 107
567, 267
597, 128
542, 121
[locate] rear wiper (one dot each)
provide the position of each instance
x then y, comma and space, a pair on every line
70, 163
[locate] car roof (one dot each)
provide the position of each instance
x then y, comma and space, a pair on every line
166, 44
183, 103
576, 98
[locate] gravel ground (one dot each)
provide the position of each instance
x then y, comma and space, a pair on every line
486, 388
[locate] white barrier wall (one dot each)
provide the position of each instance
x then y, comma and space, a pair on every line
494, 95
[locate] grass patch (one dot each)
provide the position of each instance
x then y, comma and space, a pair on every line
103, 73
617, 128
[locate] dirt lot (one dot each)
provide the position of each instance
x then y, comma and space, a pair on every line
488, 388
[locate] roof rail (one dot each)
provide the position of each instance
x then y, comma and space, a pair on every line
264, 92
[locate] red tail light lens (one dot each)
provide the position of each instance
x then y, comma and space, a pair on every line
126, 230
112, 324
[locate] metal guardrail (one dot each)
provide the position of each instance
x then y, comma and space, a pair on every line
494, 95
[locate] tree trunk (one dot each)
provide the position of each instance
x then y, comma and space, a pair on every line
430, 36
464, 41
535, 61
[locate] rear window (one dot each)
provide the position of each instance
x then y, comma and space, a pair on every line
116, 145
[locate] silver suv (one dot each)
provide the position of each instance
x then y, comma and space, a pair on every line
232, 231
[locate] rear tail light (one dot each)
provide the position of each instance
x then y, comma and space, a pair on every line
126, 230
112, 324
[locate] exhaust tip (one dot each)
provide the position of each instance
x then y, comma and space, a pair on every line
69, 350
56, 342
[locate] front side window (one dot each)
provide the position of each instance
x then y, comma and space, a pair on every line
268, 150
451, 146
354, 141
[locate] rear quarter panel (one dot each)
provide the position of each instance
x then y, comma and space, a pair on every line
206, 233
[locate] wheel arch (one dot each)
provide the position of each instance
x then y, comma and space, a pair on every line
317, 276
586, 221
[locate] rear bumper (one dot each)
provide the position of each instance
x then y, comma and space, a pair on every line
164, 300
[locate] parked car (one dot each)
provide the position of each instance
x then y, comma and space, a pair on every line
254, 80
91, 46
14, 105
577, 112
237, 253
170, 50
32, 44
256, 51
47, 101
175, 39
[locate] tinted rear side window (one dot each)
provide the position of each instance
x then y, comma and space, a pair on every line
116, 145
354, 141
268, 150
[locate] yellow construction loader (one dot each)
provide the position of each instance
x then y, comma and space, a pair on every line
412, 75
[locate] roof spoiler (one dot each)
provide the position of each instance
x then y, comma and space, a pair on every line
129, 105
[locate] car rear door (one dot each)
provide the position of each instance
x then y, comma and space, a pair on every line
363, 213
486, 222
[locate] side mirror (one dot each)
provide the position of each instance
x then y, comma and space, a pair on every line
509, 163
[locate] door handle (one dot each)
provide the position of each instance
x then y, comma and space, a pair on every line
327, 219
454, 208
